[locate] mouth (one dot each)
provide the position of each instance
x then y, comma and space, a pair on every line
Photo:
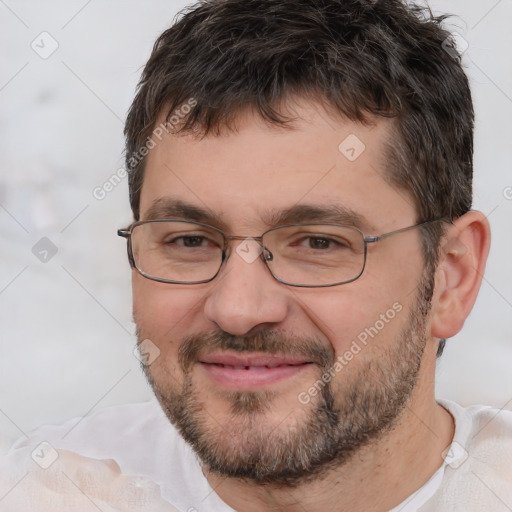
238, 371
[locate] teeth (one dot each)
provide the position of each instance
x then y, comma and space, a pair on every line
230, 367
268, 367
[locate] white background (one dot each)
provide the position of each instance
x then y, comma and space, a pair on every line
66, 330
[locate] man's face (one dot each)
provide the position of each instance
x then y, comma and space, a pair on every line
268, 381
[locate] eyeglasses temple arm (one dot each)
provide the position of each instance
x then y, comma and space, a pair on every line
375, 238
125, 233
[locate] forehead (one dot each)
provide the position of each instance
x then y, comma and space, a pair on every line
252, 176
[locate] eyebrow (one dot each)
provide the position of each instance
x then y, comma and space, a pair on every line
169, 208
305, 213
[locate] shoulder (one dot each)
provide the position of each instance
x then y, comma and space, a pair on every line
482, 430
142, 441
47, 480
135, 435
478, 476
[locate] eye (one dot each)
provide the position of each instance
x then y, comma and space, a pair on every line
199, 239
321, 243
189, 241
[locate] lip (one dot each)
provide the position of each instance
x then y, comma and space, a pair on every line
270, 360
249, 371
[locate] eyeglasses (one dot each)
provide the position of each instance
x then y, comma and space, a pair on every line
303, 255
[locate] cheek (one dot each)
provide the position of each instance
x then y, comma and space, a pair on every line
358, 314
166, 313
160, 305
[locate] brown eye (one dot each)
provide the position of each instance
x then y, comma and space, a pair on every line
190, 241
319, 243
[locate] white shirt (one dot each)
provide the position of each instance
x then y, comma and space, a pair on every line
476, 475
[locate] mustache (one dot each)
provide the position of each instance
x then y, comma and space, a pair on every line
195, 346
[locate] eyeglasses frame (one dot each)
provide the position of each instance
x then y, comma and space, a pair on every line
367, 239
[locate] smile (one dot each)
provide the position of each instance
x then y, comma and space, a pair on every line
248, 372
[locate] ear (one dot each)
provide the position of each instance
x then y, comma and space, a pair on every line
464, 251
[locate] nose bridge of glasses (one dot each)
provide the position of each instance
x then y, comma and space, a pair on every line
258, 239
248, 239
250, 248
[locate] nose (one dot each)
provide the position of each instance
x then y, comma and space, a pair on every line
244, 295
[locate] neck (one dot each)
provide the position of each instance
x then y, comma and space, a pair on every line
377, 478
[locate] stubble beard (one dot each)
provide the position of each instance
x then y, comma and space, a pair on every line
356, 408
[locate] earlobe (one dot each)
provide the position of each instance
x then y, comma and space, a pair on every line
464, 252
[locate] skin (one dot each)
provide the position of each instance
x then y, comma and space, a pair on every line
240, 176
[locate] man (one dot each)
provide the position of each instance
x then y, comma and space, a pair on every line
303, 245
